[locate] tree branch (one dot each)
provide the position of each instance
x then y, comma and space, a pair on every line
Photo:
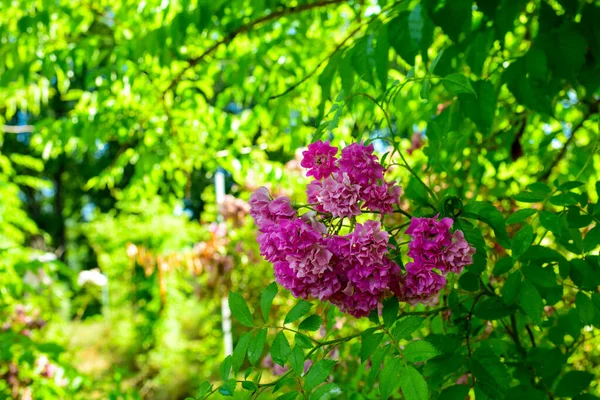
544, 177
192, 62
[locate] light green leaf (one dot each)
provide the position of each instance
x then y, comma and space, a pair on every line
413, 385
240, 309
419, 350
318, 373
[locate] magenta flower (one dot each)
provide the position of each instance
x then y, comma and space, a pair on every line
458, 255
421, 281
382, 197
319, 159
361, 165
338, 196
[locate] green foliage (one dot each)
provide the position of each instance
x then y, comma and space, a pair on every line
115, 116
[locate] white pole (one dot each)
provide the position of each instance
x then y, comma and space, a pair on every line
225, 311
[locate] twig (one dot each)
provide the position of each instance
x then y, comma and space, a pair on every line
192, 62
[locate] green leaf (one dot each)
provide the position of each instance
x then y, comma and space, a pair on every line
388, 379
382, 51
204, 389
564, 199
469, 281
572, 383
256, 346
266, 299
566, 186
298, 311
551, 221
239, 354
585, 308
226, 368
458, 83
311, 323
369, 343
492, 308
481, 108
540, 276
249, 385
297, 360
520, 215
456, 392
303, 341
540, 188
390, 311
413, 385
510, 290
592, 239
419, 350
492, 377
529, 197
280, 350
376, 361
521, 241
240, 309
503, 265
531, 302
326, 392
406, 326
289, 396
489, 214
318, 373
228, 388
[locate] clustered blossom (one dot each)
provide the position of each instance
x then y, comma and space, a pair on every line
436, 252
352, 270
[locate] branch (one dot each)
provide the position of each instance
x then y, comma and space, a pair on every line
192, 62
544, 177
314, 71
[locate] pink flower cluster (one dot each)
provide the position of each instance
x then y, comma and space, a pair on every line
436, 252
343, 185
352, 271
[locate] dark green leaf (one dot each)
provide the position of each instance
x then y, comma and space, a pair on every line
469, 282
521, 241
531, 302
540, 276
303, 341
520, 215
388, 379
226, 368
489, 214
456, 392
369, 343
529, 197
318, 373
298, 311
311, 323
510, 290
326, 392
289, 396
492, 308
249, 385
419, 350
573, 383
390, 311
280, 349
228, 388
406, 326
585, 308
503, 265
413, 385
564, 199
256, 346
239, 354
458, 83
266, 299
297, 360
592, 239
240, 309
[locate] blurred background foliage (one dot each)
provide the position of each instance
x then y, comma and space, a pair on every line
116, 116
